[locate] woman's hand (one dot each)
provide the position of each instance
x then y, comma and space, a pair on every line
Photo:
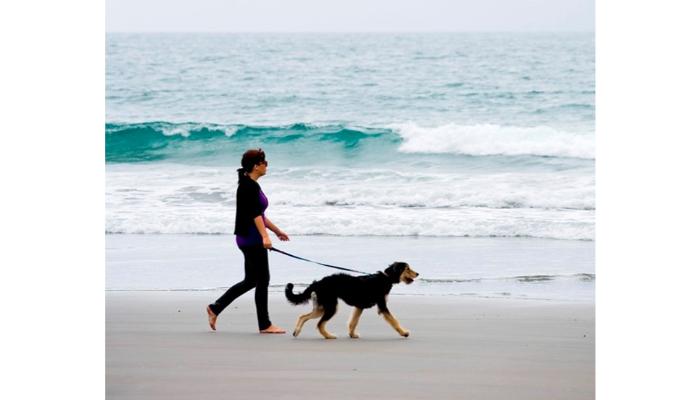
267, 243
282, 236
279, 232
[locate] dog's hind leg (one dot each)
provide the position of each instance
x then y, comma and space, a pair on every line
353, 322
328, 313
315, 313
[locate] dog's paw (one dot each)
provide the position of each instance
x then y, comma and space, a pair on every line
404, 333
354, 336
295, 333
330, 337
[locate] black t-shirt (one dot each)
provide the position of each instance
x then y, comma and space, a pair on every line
250, 203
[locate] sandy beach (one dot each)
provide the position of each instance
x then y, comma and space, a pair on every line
158, 345
433, 149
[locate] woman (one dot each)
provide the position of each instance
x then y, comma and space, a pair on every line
252, 239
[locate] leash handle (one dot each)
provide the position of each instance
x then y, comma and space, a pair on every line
316, 262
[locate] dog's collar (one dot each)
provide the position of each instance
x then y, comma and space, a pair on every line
388, 277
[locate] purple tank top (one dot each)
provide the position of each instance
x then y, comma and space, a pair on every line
252, 237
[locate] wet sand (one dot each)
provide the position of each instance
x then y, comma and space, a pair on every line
158, 345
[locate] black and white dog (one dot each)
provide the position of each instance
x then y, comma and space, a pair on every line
358, 291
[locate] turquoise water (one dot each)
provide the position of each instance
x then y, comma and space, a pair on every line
353, 79
478, 135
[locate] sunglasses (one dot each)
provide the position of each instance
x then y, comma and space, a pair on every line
264, 162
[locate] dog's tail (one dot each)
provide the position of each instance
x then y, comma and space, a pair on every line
298, 298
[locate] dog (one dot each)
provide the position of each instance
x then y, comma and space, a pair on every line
358, 291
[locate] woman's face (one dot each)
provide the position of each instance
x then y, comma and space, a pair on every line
261, 168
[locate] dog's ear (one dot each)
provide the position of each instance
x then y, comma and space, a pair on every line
395, 270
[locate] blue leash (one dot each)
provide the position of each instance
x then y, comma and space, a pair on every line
315, 262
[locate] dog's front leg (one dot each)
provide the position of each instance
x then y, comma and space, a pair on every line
394, 323
353, 322
391, 320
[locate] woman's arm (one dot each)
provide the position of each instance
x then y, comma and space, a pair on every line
260, 225
281, 235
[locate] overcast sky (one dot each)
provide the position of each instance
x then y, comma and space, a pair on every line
348, 15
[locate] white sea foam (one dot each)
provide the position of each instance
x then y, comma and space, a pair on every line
183, 199
366, 221
489, 139
185, 129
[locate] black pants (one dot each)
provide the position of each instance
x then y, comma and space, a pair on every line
257, 275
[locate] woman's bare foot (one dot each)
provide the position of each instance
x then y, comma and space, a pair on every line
273, 329
212, 318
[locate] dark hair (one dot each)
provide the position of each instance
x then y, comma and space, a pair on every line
250, 159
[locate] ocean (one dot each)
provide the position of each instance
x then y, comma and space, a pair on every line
449, 135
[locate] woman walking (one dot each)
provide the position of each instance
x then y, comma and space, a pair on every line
252, 239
